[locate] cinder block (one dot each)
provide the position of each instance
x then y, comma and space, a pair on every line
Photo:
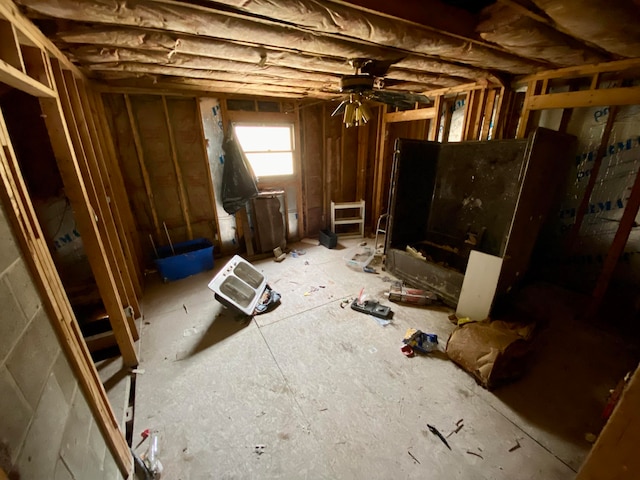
24, 289
65, 377
15, 414
111, 470
8, 249
96, 442
32, 357
41, 448
12, 321
75, 447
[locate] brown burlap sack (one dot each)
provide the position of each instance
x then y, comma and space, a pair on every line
493, 352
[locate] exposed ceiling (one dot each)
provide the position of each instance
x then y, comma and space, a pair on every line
300, 48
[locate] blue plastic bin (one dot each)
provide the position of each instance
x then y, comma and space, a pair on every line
191, 257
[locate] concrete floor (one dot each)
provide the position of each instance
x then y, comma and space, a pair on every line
328, 394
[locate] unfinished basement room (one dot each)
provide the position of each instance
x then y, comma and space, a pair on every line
319, 239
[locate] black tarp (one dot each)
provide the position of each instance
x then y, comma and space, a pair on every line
238, 180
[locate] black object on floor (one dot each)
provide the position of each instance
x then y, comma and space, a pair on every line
371, 308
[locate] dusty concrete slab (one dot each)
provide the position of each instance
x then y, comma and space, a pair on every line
327, 392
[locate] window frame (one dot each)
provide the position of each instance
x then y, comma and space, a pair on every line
277, 178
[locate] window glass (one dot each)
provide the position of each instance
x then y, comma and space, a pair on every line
269, 149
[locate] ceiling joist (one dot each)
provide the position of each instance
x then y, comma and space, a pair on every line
306, 45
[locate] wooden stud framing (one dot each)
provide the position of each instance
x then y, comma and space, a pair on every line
593, 177
487, 115
130, 230
525, 117
410, 115
505, 97
325, 174
25, 223
470, 109
87, 159
210, 190
448, 114
20, 212
33, 35
9, 45
379, 168
112, 220
582, 71
184, 204
143, 169
586, 98
86, 219
36, 65
434, 125
617, 246
467, 87
20, 80
115, 202
363, 154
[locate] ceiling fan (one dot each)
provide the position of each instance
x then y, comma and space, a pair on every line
367, 83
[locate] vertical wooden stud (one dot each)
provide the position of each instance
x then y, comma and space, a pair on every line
87, 224
143, 168
113, 168
184, 204
434, 124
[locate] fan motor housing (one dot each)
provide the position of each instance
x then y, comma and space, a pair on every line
356, 83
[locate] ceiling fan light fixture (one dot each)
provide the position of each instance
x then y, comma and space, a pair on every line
365, 112
350, 114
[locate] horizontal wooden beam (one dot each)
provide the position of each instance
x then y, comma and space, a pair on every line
461, 88
206, 88
20, 80
176, 90
586, 98
580, 71
410, 115
34, 36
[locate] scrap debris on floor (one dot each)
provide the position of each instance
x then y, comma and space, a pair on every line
330, 396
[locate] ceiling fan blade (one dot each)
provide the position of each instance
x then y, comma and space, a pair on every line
398, 99
339, 109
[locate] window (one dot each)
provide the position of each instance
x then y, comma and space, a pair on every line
269, 149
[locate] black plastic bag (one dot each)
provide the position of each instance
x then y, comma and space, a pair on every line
238, 181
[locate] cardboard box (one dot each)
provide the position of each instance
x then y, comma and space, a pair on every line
400, 293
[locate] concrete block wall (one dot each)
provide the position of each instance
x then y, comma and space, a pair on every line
47, 430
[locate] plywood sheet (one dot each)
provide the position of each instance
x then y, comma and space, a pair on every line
479, 286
